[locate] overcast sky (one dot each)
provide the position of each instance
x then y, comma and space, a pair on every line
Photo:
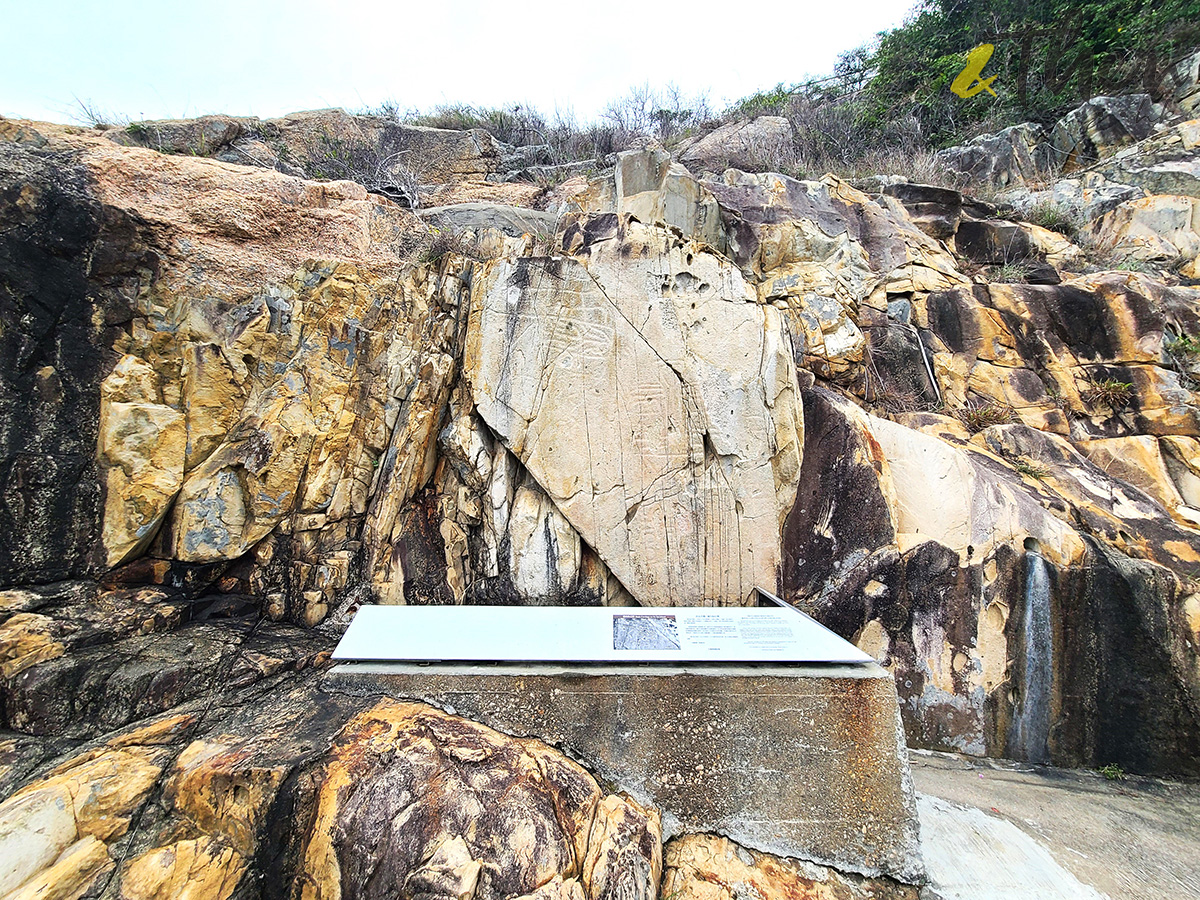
174, 59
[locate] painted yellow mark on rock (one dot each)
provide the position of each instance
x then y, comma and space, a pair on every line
969, 83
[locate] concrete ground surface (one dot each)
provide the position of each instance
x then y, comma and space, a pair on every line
997, 830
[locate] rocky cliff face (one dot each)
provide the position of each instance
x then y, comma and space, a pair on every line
235, 404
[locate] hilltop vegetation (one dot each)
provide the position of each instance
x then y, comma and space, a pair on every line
1050, 55
888, 104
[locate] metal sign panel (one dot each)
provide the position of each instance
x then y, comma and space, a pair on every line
590, 634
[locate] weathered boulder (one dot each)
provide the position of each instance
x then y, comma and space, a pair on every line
793, 237
652, 189
1013, 156
193, 869
710, 867
754, 144
415, 801
1165, 163
1121, 514
1028, 153
1085, 197
1102, 125
385, 155
648, 186
433, 155
205, 136
1183, 82
1041, 351
511, 220
994, 241
1160, 227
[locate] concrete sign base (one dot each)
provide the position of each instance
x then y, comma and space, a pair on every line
805, 761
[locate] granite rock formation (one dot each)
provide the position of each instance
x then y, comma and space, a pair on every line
236, 404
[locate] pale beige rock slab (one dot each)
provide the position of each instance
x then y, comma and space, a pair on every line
1140, 461
941, 494
975, 856
653, 400
648, 186
212, 396
1182, 458
544, 548
140, 444
70, 876
244, 489
1161, 226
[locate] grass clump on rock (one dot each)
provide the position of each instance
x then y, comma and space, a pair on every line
978, 416
1054, 217
1110, 392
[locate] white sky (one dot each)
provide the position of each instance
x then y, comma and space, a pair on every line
172, 59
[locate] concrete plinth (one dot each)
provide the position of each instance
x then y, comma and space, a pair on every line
806, 761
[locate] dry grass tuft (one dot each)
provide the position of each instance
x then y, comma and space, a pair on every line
978, 416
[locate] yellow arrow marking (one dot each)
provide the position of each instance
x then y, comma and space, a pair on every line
968, 83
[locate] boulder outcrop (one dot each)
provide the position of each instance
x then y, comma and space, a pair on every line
741, 144
1183, 83
1163, 164
391, 158
1102, 125
1018, 154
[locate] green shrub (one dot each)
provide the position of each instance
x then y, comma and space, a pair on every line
1032, 469
1134, 264
1110, 392
443, 241
1181, 344
1054, 216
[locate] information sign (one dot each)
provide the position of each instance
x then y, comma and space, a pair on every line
590, 634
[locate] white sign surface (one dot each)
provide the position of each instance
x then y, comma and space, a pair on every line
590, 634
